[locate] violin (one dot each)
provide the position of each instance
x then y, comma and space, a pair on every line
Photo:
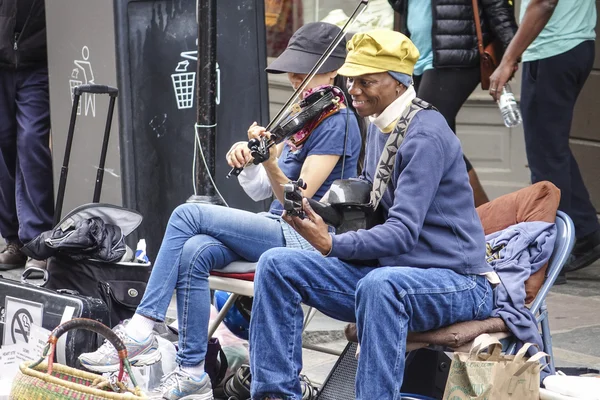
305, 111
292, 117
322, 102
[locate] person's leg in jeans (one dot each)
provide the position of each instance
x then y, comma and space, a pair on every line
386, 302
34, 190
198, 239
26, 193
9, 225
392, 301
246, 234
11, 257
549, 91
284, 279
448, 89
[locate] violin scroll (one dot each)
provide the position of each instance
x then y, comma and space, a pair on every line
292, 198
292, 204
259, 149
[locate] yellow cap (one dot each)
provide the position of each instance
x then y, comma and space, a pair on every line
379, 51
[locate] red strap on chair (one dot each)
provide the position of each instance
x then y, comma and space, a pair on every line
248, 276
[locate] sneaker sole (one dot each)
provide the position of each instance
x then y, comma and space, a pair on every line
206, 396
137, 361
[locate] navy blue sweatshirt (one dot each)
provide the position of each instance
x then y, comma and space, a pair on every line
431, 218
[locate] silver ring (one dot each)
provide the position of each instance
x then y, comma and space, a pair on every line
492, 90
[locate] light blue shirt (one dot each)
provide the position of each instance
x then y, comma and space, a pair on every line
573, 22
419, 24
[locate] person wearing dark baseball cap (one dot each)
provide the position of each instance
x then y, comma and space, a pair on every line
319, 149
430, 268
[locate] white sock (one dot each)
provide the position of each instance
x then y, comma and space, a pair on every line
139, 328
196, 372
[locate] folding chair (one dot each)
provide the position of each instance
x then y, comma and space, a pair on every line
463, 333
460, 335
242, 284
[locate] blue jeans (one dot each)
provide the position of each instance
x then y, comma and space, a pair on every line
385, 302
198, 239
26, 195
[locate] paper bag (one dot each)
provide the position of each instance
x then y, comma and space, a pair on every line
479, 375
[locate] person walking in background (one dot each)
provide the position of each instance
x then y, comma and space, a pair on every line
556, 42
26, 191
447, 71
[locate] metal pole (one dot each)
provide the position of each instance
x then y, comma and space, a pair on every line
206, 116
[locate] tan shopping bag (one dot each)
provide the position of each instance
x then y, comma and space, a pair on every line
479, 375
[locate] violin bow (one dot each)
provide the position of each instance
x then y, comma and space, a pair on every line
362, 5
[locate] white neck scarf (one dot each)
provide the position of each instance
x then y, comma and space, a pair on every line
392, 112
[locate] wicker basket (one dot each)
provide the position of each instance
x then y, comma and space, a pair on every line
49, 381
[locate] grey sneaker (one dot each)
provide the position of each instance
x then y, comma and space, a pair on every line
178, 385
106, 359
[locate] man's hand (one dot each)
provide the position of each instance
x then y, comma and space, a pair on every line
505, 71
312, 228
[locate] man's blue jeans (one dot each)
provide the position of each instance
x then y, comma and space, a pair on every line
26, 195
198, 239
385, 302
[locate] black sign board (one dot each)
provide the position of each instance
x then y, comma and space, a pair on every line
157, 61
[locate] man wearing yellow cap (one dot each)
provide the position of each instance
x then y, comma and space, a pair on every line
430, 251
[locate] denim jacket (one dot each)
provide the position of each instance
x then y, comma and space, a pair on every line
518, 252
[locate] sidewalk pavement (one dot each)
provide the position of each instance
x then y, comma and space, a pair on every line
574, 321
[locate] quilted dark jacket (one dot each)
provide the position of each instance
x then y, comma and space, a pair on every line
453, 32
29, 49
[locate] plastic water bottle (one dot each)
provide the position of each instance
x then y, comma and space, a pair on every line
509, 108
140, 252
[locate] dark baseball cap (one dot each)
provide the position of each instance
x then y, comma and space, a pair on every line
305, 48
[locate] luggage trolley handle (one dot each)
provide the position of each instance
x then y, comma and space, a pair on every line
77, 92
96, 89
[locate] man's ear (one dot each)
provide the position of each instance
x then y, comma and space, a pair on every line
400, 89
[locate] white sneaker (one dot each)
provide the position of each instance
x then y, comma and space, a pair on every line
179, 385
106, 358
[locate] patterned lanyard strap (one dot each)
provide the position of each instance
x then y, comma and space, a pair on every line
388, 156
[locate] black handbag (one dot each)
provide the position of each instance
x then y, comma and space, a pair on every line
121, 285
